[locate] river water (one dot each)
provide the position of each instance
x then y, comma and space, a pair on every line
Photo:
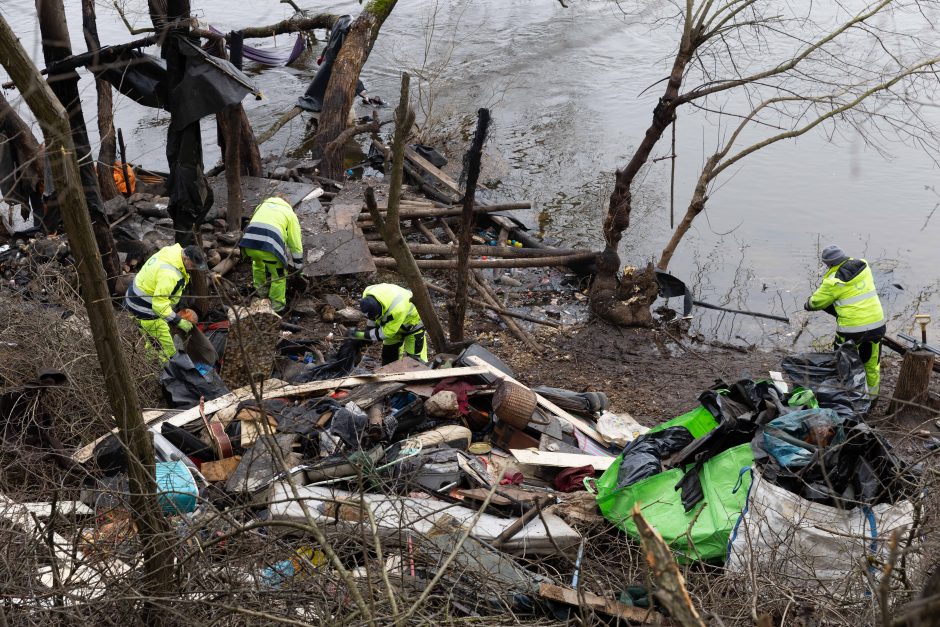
566, 91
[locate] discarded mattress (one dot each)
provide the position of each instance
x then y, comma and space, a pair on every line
395, 515
813, 544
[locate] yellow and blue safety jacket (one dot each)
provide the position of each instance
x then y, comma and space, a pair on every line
849, 288
158, 286
399, 316
274, 228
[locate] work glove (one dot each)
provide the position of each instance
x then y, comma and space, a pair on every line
806, 306
184, 325
356, 334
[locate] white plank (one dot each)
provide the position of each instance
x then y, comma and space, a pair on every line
581, 425
533, 457
65, 508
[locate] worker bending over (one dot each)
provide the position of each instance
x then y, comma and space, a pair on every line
848, 292
272, 241
394, 320
156, 291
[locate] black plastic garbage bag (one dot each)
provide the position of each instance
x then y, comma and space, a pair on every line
837, 379
183, 383
643, 457
348, 424
289, 367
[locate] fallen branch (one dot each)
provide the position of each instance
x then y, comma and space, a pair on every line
670, 586
286, 117
295, 24
499, 310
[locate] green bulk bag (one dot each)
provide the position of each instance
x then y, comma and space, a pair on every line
661, 504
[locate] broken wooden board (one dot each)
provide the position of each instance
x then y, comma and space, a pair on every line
531, 457
597, 603
394, 514
433, 171
177, 418
332, 253
256, 189
220, 470
581, 425
405, 364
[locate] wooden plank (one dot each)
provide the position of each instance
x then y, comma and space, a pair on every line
560, 460
597, 603
581, 425
64, 508
432, 170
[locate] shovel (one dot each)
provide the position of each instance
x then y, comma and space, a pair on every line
670, 286
200, 349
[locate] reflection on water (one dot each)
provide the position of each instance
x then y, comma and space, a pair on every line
566, 89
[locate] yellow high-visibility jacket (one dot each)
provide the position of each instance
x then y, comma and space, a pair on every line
274, 228
399, 316
158, 286
850, 289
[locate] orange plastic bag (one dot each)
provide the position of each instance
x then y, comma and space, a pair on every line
118, 170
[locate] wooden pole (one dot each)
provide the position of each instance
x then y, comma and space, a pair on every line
457, 309
524, 262
911, 391
438, 212
390, 225
479, 284
119, 384
449, 250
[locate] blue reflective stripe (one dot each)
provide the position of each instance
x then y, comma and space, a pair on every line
268, 238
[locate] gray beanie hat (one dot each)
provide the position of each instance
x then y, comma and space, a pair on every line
833, 255
196, 255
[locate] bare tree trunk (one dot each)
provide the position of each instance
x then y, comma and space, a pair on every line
107, 150
230, 126
342, 87
606, 293
458, 308
121, 387
56, 46
29, 172
390, 225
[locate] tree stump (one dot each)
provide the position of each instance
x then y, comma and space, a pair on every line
910, 393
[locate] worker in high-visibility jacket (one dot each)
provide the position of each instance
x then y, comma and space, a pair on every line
394, 320
156, 291
272, 240
848, 292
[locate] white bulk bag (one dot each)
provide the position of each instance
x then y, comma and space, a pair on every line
784, 536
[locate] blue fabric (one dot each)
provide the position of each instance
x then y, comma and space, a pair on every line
798, 424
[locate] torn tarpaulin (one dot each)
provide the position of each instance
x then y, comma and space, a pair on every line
209, 84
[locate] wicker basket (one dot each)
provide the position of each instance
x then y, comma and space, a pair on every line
514, 404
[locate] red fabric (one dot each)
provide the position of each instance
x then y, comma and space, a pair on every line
572, 479
512, 478
458, 387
